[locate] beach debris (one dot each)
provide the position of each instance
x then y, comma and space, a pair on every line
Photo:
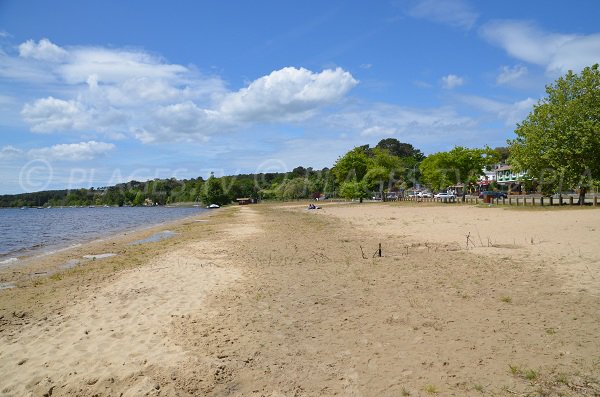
19, 314
362, 252
22, 361
469, 240
376, 253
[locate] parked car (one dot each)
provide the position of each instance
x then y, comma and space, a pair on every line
425, 194
444, 195
493, 194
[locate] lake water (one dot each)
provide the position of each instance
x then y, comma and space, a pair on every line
31, 231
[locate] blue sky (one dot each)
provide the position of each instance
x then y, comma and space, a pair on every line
94, 93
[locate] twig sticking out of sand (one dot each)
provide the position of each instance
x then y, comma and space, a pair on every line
468, 236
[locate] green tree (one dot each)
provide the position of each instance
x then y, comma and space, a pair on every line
352, 166
503, 153
459, 165
559, 141
139, 199
353, 190
292, 189
213, 192
384, 169
400, 149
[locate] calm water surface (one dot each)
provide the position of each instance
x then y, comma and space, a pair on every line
29, 231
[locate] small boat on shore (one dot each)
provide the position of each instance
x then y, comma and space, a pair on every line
213, 206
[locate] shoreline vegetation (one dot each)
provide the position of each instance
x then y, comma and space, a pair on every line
266, 300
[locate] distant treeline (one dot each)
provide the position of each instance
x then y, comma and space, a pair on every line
169, 191
297, 184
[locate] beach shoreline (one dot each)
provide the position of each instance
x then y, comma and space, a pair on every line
55, 242
274, 299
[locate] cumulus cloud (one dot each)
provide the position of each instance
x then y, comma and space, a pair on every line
455, 13
52, 114
510, 74
287, 93
181, 122
452, 81
73, 151
556, 52
43, 50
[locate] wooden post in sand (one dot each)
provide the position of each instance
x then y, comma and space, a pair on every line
595, 201
542, 201
551, 201
533, 201
570, 200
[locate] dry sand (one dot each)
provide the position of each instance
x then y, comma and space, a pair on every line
280, 301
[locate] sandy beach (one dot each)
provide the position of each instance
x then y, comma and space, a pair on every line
276, 300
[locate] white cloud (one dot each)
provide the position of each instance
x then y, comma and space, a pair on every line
286, 94
557, 52
455, 13
10, 152
73, 151
52, 114
509, 113
510, 74
416, 125
181, 122
125, 91
116, 66
43, 50
452, 81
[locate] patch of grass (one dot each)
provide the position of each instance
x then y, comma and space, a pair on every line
405, 391
506, 299
531, 374
431, 389
56, 277
478, 388
550, 331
